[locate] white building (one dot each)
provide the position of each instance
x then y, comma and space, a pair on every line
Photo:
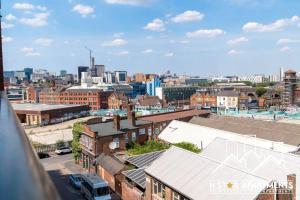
253, 78
39, 74
228, 100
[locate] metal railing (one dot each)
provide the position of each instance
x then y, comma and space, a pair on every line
21, 174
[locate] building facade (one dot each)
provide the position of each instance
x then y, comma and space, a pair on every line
117, 100
228, 100
203, 100
290, 79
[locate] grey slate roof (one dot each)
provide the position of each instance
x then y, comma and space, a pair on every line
107, 129
144, 160
138, 176
109, 164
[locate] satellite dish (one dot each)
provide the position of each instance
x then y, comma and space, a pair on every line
112, 145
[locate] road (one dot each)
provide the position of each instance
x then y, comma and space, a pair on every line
59, 168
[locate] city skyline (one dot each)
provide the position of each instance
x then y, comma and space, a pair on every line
192, 37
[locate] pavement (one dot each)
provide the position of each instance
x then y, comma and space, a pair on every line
59, 167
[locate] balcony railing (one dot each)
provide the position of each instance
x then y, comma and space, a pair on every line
21, 174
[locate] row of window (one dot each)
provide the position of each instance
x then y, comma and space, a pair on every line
159, 192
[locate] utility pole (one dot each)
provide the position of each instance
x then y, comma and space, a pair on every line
1, 54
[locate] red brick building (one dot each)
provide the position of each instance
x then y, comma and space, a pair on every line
95, 98
117, 100
203, 100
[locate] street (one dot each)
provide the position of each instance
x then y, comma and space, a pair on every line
59, 167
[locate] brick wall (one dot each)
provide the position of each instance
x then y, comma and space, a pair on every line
131, 193
107, 177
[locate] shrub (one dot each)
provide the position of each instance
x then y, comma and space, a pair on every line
188, 146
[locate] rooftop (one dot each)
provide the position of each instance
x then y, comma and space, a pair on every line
193, 176
202, 136
107, 128
41, 107
173, 115
144, 160
281, 132
109, 164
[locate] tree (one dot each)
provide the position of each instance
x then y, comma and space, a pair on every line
188, 146
260, 91
76, 148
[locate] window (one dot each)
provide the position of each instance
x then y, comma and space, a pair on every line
133, 136
126, 138
158, 189
149, 131
117, 141
142, 131
177, 196
156, 131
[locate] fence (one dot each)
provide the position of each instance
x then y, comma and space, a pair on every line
48, 147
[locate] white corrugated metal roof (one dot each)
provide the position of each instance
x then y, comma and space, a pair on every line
271, 165
198, 177
202, 136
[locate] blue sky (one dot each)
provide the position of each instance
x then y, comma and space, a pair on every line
195, 37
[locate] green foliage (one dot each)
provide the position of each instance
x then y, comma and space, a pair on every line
76, 148
60, 143
150, 146
260, 91
188, 146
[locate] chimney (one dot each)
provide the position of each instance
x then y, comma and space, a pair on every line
1, 56
291, 179
116, 122
131, 115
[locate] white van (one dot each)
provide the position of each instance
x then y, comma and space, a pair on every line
94, 188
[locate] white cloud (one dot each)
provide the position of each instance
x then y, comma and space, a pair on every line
275, 26
10, 17
285, 49
23, 6
122, 53
7, 39
118, 35
237, 41
208, 33
38, 20
287, 41
184, 41
149, 37
116, 42
43, 41
6, 25
169, 54
28, 7
129, 2
156, 25
29, 51
188, 16
234, 52
147, 51
83, 10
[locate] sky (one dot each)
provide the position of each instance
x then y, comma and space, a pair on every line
192, 37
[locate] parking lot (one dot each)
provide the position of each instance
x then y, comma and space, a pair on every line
59, 168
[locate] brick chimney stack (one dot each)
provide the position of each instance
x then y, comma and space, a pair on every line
1, 55
131, 115
116, 122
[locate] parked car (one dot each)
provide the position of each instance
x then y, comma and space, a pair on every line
42, 155
94, 188
75, 180
63, 150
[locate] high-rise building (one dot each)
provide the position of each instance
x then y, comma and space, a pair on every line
152, 85
290, 79
28, 73
139, 77
110, 77
100, 70
281, 74
63, 73
121, 76
80, 70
